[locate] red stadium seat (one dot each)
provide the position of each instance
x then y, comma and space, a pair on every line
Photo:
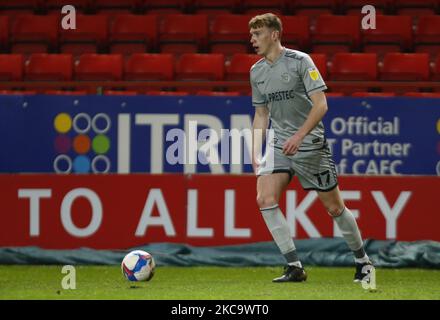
11, 67
18, 4
240, 66
149, 66
89, 29
77, 49
35, 29
296, 31
298, 4
230, 29
167, 4
99, 67
49, 67
416, 13
218, 93
320, 61
140, 29
58, 4
334, 94
390, 30
208, 5
373, 94
436, 71
120, 93
416, 3
265, 5
422, 94
200, 67
4, 31
337, 30
354, 66
358, 4
166, 93
117, 4
18, 92
428, 30
66, 92
190, 30
381, 49
405, 66
29, 48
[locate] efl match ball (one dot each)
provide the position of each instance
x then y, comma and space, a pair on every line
138, 265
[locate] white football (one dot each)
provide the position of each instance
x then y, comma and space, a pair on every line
138, 265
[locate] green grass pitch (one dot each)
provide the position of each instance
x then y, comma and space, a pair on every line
194, 283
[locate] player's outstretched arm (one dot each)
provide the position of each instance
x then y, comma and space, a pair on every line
316, 114
260, 124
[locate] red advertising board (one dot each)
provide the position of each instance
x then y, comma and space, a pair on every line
122, 211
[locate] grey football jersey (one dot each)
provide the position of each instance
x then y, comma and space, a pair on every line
285, 87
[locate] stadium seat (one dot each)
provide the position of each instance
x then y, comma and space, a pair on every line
18, 4
218, 93
299, 4
66, 92
415, 13
99, 67
373, 94
4, 31
29, 48
230, 31
118, 4
32, 29
240, 66
11, 67
200, 67
265, 5
436, 69
405, 66
296, 31
390, 30
427, 31
49, 67
416, 3
255, 11
313, 14
77, 49
166, 93
134, 29
90, 29
320, 61
230, 5
180, 5
354, 66
422, 94
337, 30
381, 49
120, 93
18, 92
334, 94
180, 31
149, 66
358, 4
83, 5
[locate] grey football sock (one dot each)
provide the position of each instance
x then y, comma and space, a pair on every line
278, 227
350, 231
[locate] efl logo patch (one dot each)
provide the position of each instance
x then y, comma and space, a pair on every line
314, 74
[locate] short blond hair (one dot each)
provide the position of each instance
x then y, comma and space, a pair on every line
269, 20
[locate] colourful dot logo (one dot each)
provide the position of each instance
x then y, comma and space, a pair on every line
82, 143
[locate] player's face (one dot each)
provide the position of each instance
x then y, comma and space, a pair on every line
262, 40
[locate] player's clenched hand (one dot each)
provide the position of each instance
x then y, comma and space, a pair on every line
291, 146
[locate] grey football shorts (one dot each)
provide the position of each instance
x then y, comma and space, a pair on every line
315, 169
